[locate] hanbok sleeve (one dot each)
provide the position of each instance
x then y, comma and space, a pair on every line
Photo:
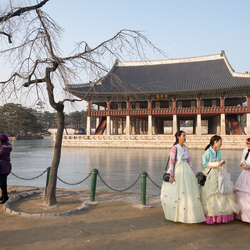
189, 161
206, 160
243, 156
173, 152
218, 154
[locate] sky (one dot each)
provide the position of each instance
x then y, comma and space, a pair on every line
181, 28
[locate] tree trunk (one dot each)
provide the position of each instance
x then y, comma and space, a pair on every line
50, 198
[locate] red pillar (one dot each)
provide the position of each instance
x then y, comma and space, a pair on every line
174, 105
149, 106
127, 107
199, 105
108, 108
222, 104
88, 108
248, 103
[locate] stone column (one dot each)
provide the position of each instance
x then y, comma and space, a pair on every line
198, 128
133, 126
223, 124
149, 124
248, 124
108, 125
218, 125
175, 125
111, 126
97, 122
88, 126
128, 125
153, 126
248, 116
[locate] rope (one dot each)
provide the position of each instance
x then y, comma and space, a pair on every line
29, 179
153, 182
74, 183
121, 190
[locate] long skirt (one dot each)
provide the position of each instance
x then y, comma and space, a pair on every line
218, 208
242, 191
181, 202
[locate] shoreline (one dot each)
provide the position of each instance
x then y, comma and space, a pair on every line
146, 141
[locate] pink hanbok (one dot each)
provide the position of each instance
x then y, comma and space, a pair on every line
242, 190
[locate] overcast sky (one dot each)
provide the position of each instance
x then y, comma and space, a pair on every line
181, 28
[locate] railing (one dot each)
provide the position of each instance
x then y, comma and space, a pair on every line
94, 173
167, 111
236, 109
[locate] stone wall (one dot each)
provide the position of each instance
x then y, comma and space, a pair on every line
145, 141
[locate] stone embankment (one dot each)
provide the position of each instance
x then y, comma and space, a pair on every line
146, 141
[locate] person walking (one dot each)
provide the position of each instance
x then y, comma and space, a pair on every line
5, 165
217, 207
242, 185
180, 197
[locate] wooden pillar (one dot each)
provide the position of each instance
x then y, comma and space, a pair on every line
199, 105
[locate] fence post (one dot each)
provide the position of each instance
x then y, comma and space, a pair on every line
47, 179
143, 187
93, 184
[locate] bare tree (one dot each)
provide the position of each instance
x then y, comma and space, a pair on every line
37, 62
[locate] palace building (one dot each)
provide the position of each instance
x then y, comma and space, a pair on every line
158, 97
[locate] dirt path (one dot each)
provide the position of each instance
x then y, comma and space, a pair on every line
112, 223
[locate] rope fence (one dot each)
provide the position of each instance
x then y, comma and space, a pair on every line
94, 173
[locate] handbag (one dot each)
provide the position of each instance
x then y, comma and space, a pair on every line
166, 175
202, 178
224, 181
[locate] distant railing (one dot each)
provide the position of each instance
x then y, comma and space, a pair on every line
167, 111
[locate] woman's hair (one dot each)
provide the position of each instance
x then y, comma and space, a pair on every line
3, 138
247, 141
177, 134
213, 140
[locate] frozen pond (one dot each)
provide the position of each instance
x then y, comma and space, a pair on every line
118, 167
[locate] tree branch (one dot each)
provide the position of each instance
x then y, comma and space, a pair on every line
8, 35
27, 84
20, 11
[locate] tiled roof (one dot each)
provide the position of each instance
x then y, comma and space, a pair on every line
189, 74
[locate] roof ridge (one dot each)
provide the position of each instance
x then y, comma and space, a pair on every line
170, 61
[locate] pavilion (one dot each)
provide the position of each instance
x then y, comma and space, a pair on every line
140, 97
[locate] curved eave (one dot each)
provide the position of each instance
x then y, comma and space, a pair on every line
196, 92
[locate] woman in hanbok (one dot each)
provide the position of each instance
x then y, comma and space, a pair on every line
180, 197
242, 185
217, 207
